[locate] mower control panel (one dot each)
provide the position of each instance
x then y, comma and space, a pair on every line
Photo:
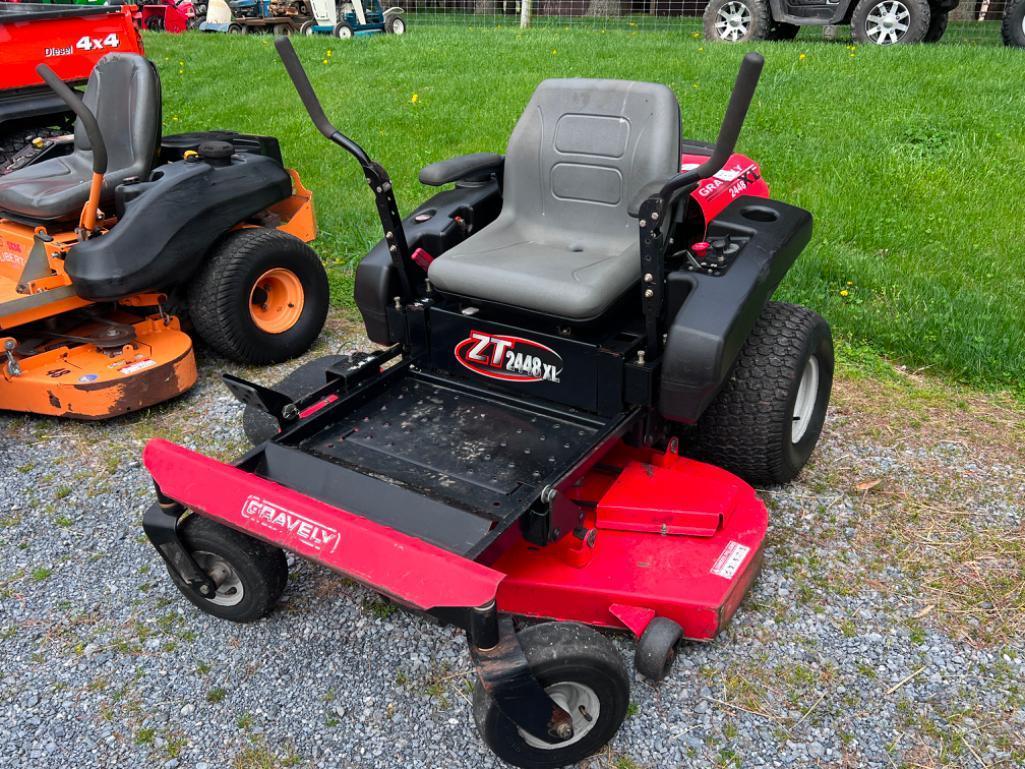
712, 257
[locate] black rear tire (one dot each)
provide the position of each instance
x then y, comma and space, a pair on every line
1013, 26
937, 26
573, 657
754, 16
256, 572
917, 21
749, 428
221, 294
259, 426
656, 648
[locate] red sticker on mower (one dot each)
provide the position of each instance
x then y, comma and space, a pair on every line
278, 519
509, 358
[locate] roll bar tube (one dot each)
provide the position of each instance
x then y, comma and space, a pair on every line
377, 177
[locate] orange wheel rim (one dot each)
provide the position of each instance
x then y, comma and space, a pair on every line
276, 301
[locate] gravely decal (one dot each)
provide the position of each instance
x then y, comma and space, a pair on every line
509, 358
316, 535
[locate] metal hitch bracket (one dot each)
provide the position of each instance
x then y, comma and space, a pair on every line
506, 676
265, 399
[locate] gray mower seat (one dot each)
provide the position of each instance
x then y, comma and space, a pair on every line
123, 93
564, 244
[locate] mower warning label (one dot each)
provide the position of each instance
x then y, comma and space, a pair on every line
316, 535
509, 358
730, 560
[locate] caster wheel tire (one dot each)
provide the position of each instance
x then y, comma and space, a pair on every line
343, 31
395, 25
735, 21
656, 649
250, 574
767, 418
889, 22
582, 671
263, 296
236, 29
259, 426
307, 29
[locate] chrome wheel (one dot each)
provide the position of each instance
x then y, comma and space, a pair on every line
580, 702
804, 403
887, 22
229, 585
733, 21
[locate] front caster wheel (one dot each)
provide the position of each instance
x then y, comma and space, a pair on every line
250, 575
581, 670
656, 649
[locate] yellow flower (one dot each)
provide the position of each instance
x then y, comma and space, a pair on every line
803, 56
555, 51
695, 35
845, 292
329, 52
850, 283
324, 62
415, 98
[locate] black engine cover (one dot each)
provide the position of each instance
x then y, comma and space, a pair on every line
168, 224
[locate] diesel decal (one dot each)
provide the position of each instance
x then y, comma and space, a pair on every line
306, 530
509, 358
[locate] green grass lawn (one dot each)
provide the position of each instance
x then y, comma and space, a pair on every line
908, 157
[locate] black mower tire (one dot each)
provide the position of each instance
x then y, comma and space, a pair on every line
220, 294
343, 31
564, 653
748, 428
759, 27
937, 26
656, 648
918, 23
1013, 26
261, 569
259, 426
306, 30
395, 25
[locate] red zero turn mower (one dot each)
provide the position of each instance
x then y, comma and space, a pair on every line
567, 330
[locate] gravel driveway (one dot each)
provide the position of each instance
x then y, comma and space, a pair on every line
886, 628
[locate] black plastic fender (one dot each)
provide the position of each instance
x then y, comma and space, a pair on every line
167, 225
712, 316
447, 219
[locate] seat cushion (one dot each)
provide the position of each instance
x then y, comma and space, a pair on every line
52, 190
576, 279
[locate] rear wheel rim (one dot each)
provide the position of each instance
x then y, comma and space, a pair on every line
887, 22
806, 400
733, 21
398, 27
344, 33
276, 300
230, 591
583, 706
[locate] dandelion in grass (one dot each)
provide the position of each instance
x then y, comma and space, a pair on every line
324, 62
414, 98
802, 57
845, 293
555, 51
696, 35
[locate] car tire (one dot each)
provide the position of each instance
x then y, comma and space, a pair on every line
1013, 26
872, 19
735, 21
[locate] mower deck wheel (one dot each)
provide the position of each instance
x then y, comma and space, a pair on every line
250, 574
261, 297
581, 670
656, 649
259, 426
236, 29
395, 25
766, 419
343, 31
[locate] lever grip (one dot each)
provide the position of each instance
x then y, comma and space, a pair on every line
76, 105
736, 111
303, 87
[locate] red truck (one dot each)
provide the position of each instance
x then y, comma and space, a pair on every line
34, 122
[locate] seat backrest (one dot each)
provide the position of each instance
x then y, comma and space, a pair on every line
583, 149
123, 93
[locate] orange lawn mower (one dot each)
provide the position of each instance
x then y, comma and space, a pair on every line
106, 251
